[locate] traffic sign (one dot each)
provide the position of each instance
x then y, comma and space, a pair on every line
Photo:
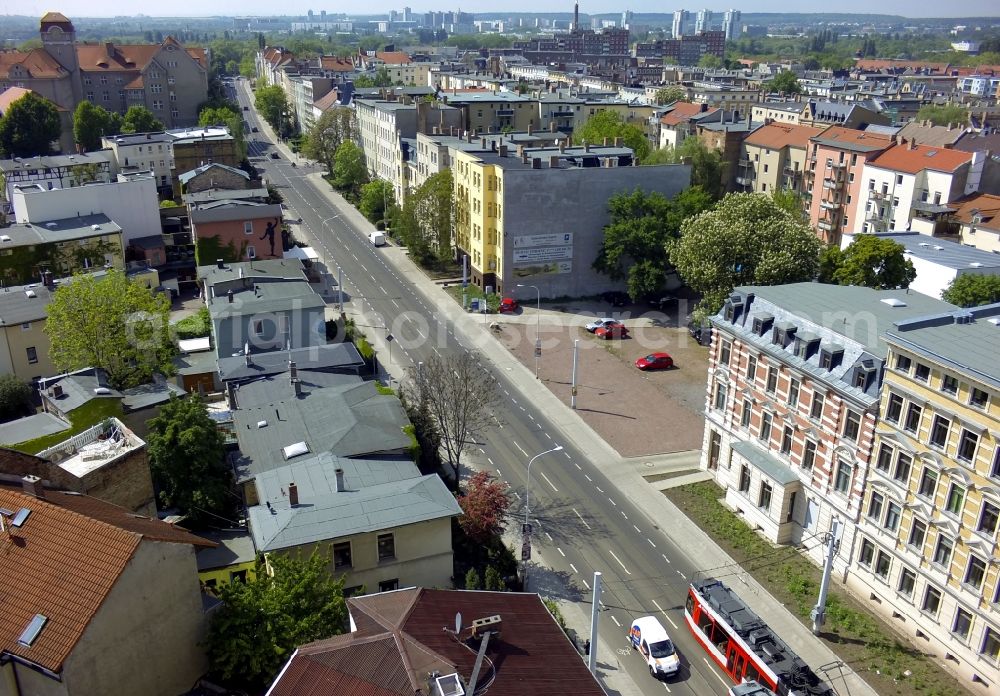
389, 338
526, 551
526, 529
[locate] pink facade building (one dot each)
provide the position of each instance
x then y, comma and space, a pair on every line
236, 231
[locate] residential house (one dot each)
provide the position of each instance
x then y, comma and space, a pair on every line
795, 373
102, 590
236, 230
977, 218
925, 555
24, 345
726, 136
854, 115
56, 171
139, 152
60, 248
786, 111
774, 158
213, 176
531, 656
65, 142
194, 147
679, 122
925, 133
489, 112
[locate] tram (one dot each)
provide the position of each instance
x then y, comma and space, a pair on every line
743, 645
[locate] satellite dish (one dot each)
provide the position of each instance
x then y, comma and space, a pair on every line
458, 622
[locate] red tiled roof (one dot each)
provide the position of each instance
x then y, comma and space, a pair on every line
400, 640
880, 64
37, 62
681, 112
12, 94
393, 57
780, 135
988, 207
62, 563
336, 64
327, 101
903, 158
54, 18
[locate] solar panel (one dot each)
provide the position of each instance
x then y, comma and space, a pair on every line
30, 633
20, 517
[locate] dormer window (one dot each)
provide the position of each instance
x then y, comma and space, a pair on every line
782, 334
734, 308
864, 374
806, 345
762, 323
830, 357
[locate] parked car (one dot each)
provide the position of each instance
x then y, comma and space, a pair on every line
615, 298
655, 361
508, 305
613, 331
700, 332
649, 637
275, 155
253, 129
661, 302
603, 322
246, 108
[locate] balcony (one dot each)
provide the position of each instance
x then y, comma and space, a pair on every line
830, 205
838, 165
744, 180
878, 195
791, 171
833, 184
744, 163
505, 112
826, 225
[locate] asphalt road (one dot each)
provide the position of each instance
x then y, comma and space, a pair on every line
581, 524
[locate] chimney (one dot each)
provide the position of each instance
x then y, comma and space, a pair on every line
529, 129
109, 49
562, 146
32, 485
605, 142
502, 149
293, 371
554, 162
219, 263
293, 495
341, 486
536, 162
483, 143
47, 279
586, 146
618, 142
229, 296
911, 145
552, 126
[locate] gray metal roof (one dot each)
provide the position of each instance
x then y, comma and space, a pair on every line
263, 269
24, 303
78, 388
83, 227
152, 394
30, 427
212, 195
234, 209
140, 138
55, 161
234, 546
943, 252
288, 296
332, 356
379, 495
187, 176
772, 467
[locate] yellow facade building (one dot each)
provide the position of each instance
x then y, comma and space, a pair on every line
479, 214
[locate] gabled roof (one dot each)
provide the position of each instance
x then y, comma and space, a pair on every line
66, 558
985, 205
852, 140
328, 100
682, 112
780, 135
911, 160
187, 176
393, 57
336, 64
927, 134
126, 57
11, 95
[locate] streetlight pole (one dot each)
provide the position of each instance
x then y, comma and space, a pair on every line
538, 318
526, 528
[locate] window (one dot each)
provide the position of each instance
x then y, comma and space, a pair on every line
978, 398
883, 562
991, 644
903, 363
922, 373
745, 415
786, 440
939, 431
995, 469
725, 350
942, 552
928, 483
967, 445
884, 459
764, 499
772, 380
907, 579
720, 396
744, 479
975, 572
875, 506
867, 552
949, 385
816, 408
808, 455
386, 547
918, 532
26, 326
751, 367
902, 473
988, 518
963, 623
893, 513
932, 600
912, 423
248, 227
894, 408
32, 355
793, 392
842, 481
388, 585
852, 425
765, 426
956, 498
342, 555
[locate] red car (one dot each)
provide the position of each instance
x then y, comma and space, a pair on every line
655, 361
508, 305
613, 331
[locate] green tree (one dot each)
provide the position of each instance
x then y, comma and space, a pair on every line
943, 115
272, 105
484, 504
91, 122
231, 119
427, 219
289, 602
376, 200
785, 81
791, 201
29, 127
472, 580
710, 61
139, 119
634, 247
669, 95
349, 170
334, 127
112, 323
611, 125
706, 163
553, 608
745, 240
969, 290
248, 67
874, 262
187, 459
493, 581
15, 397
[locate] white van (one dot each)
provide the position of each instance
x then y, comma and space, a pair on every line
651, 640
377, 238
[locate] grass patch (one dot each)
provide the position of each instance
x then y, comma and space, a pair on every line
853, 633
82, 418
472, 292
384, 390
198, 325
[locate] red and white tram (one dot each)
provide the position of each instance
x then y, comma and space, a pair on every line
743, 645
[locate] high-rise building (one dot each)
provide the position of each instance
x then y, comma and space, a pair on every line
703, 22
731, 24
626, 19
680, 18
407, 14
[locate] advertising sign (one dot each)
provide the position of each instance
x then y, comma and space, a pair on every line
536, 240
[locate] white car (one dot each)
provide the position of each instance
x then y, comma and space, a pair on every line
651, 640
601, 323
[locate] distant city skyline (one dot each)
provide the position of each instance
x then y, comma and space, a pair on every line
197, 8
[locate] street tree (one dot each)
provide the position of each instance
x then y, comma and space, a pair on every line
272, 104
634, 247
376, 201
334, 127
226, 116
289, 601
706, 164
870, 261
944, 114
15, 397
427, 219
349, 170
785, 82
484, 504
968, 290
745, 240
611, 125
139, 119
29, 127
187, 459
90, 122
113, 323
461, 397
671, 94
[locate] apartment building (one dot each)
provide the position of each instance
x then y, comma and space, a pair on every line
56, 171
682, 120
792, 404
977, 218
926, 552
774, 158
489, 112
24, 345
60, 248
194, 147
834, 178
152, 152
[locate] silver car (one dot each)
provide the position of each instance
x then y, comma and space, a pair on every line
603, 322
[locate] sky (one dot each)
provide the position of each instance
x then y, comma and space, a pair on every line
108, 8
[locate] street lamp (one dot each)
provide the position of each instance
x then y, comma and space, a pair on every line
538, 318
525, 529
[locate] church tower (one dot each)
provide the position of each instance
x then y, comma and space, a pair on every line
59, 39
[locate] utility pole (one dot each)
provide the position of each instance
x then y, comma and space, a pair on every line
340, 290
818, 614
595, 610
576, 358
465, 281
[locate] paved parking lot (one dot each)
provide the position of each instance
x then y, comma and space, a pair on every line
637, 413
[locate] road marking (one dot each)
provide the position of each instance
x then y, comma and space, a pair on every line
578, 467
560, 551
574, 568
549, 536
517, 495
588, 478
567, 455
610, 500
519, 447
548, 436
724, 682
651, 542
626, 517
682, 574
585, 583
491, 462
619, 562
667, 688
616, 621
542, 474
665, 614
581, 519
636, 529
394, 303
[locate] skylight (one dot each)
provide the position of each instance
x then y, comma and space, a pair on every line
295, 450
893, 302
30, 633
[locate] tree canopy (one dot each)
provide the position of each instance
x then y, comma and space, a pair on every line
785, 81
272, 104
610, 124
230, 118
671, 94
15, 397
634, 247
376, 200
187, 459
484, 507
706, 164
427, 219
91, 122
943, 115
971, 290
289, 602
139, 119
349, 170
112, 323
746, 239
874, 262
29, 127
334, 127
